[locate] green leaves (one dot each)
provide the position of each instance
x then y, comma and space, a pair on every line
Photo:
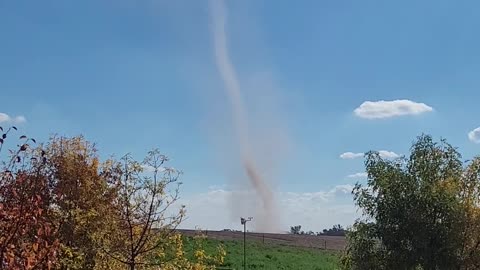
413, 209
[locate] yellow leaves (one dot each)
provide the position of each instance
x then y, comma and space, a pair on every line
179, 253
172, 255
450, 185
198, 266
221, 254
200, 255
83, 198
161, 253
95, 164
204, 260
71, 257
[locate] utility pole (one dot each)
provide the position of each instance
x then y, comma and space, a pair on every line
244, 223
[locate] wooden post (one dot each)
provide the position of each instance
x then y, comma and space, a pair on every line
325, 241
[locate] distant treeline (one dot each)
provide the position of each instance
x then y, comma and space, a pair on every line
336, 230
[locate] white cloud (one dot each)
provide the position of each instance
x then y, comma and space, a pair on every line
20, 119
219, 209
388, 154
351, 155
342, 189
386, 109
382, 153
474, 135
5, 118
358, 175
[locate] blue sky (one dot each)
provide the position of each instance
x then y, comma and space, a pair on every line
133, 75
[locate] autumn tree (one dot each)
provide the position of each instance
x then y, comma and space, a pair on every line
142, 232
470, 200
82, 198
420, 212
61, 208
142, 225
27, 230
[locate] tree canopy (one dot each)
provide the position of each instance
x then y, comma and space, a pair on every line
420, 212
62, 208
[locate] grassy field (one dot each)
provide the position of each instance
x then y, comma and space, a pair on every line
273, 257
284, 239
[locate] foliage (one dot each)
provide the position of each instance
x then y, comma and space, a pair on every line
199, 259
470, 200
419, 213
82, 200
27, 231
364, 250
296, 229
336, 230
141, 232
60, 207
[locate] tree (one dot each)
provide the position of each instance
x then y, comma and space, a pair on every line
418, 212
27, 231
83, 197
336, 230
295, 229
60, 207
142, 225
142, 230
470, 199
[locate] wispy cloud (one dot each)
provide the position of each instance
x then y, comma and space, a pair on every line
313, 210
358, 175
388, 154
387, 109
5, 118
342, 189
351, 155
474, 135
382, 153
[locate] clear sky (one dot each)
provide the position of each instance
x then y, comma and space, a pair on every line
134, 75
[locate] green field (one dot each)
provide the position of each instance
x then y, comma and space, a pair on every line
273, 257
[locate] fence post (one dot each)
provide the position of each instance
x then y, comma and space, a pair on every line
325, 241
